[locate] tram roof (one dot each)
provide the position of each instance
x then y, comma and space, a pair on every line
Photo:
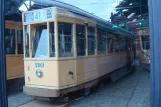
76, 10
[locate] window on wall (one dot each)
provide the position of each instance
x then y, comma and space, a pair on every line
110, 44
52, 39
91, 41
26, 40
117, 44
65, 39
101, 37
10, 41
20, 41
81, 40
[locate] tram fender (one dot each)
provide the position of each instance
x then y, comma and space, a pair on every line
33, 91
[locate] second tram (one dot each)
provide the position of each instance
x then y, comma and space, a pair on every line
143, 47
14, 49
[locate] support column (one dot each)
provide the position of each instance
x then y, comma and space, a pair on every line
155, 51
86, 33
96, 43
56, 40
75, 41
3, 95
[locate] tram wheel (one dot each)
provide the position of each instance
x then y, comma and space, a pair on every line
94, 88
52, 99
87, 91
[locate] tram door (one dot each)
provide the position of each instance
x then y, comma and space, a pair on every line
40, 41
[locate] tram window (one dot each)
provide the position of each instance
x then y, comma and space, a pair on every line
40, 42
110, 42
131, 45
65, 39
122, 44
91, 41
10, 41
117, 44
52, 39
26, 40
138, 44
20, 41
128, 44
101, 37
145, 42
81, 40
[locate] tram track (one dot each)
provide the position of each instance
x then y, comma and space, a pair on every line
70, 102
41, 102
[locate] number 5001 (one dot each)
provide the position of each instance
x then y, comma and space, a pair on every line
39, 65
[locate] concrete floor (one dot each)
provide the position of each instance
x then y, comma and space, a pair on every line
18, 99
132, 90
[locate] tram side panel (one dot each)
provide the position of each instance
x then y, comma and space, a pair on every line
86, 69
49, 78
15, 66
56, 74
67, 73
110, 63
75, 72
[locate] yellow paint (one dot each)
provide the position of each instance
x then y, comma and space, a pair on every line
85, 68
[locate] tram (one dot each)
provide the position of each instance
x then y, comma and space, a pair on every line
14, 49
143, 47
67, 50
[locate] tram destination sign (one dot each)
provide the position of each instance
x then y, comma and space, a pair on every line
38, 15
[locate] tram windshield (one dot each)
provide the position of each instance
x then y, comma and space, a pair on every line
145, 42
40, 42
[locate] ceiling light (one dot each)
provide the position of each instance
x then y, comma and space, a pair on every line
132, 14
130, 4
125, 10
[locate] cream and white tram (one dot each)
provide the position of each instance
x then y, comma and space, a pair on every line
65, 51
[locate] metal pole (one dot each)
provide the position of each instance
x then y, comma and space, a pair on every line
30, 5
155, 51
3, 95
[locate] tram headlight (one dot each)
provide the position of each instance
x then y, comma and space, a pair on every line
38, 73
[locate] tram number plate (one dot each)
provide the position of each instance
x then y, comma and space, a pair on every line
39, 65
38, 15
